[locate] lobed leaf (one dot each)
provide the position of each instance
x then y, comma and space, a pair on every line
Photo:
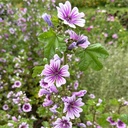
90, 57
53, 42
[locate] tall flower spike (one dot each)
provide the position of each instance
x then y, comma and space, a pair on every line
70, 17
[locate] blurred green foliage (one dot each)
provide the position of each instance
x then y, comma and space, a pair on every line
112, 80
96, 3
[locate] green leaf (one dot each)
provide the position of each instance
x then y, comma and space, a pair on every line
46, 35
52, 44
4, 126
102, 120
114, 102
90, 57
37, 70
89, 117
124, 118
46, 124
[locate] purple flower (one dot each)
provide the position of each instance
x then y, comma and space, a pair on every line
63, 123
47, 19
76, 84
72, 45
114, 36
14, 119
92, 96
53, 89
80, 40
5, 107
125, 102
43, 92
24, 125
81, 93
89, 123
82, 125
53, 109
43, 84
55, 73
120, 124
111, 121
47, 102
17, 84
72, 107
11, 30
27, 107
70, 16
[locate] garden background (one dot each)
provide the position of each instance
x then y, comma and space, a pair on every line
21, 50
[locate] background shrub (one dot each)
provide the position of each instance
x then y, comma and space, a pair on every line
85, 3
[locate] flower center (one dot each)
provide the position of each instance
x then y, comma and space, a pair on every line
68, 18
71, 105
44, 83
65, 123
17, 83
26, 107
120, 123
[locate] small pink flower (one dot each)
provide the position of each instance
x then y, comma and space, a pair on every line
105, 35
47, 101
17, 84
89, 123
5, 107
92, 96
120, 124
111, 121
24, 125
114, 36
27, 107
43, 84
63, 123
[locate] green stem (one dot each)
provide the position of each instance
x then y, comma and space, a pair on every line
64, 62
65, 58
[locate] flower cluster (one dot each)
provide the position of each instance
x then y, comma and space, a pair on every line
118, 123
52, 82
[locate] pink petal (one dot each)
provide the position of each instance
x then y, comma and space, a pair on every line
47, 71
55, 65
64, 71
59, 81
79, 22
50, 79
70, 114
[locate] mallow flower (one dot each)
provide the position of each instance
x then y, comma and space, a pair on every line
55, 73
72, 107
63, 123
120, 124
111, 121
70, 16
78, 40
